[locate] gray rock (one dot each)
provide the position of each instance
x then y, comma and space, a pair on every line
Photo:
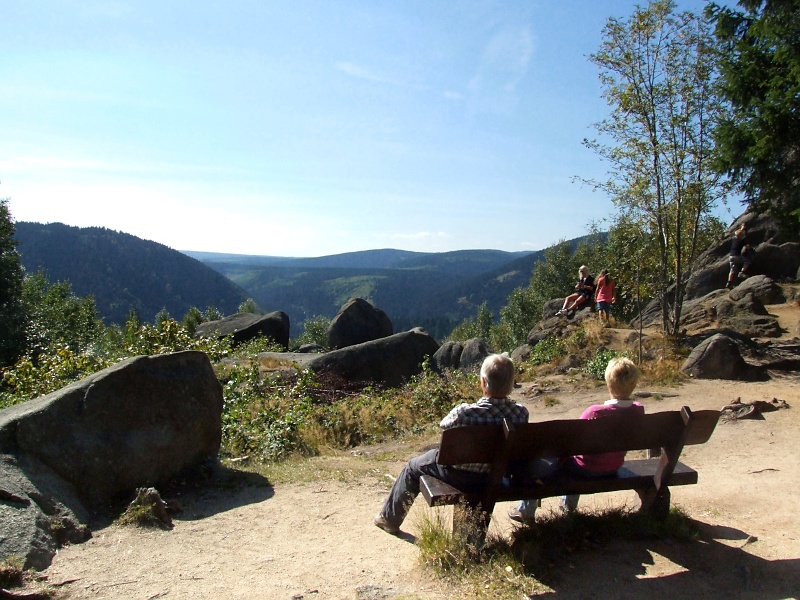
34, 523
718, 357
358, 322
390, 360
467, 356
448, 356
244, 327
475, 351
521, 354
134, 424
763, 288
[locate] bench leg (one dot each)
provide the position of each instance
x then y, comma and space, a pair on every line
655, 503
471, 522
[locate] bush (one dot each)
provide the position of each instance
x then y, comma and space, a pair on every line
596, 366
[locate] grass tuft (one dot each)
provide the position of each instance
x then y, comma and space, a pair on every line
521, 565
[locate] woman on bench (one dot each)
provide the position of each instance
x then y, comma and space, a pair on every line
621, 376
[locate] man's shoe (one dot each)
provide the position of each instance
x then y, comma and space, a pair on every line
380, 521
561, 312
742, 275
729, 285
515, 515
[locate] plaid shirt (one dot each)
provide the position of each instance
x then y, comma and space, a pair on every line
486, 411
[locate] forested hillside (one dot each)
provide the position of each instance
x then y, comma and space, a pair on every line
124, 272
432, 290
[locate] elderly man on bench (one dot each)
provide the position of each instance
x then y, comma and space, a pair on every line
497, 381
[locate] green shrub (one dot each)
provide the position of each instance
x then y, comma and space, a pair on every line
548, 350
271, 418
596, 366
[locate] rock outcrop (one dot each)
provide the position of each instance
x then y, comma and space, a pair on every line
137, 423
389, 360
358, 322
244, 327
467, 356
718, 357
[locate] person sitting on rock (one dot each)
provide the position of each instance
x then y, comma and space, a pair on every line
584, 292
497, 381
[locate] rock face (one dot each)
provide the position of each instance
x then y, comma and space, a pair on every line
776, 257
247, 326
718, 357
358, 322
467, 356
390, 360
135, 424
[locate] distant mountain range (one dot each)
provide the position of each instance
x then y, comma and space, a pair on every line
123, 272
432, 290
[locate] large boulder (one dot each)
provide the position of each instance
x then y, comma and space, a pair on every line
467, 356
39, 512
244, 327
134, 424
358, 322
763, 289
718, 357
389, 360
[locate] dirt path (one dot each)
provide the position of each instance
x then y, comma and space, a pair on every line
316, 540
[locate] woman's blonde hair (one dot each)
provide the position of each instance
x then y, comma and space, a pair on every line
622, 375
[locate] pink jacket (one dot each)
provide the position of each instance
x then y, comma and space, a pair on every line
610, 461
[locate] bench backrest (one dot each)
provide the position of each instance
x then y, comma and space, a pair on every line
566, 437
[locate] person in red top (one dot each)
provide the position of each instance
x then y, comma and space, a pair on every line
621, 375
605, 295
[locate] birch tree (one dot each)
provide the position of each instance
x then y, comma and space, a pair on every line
657, 70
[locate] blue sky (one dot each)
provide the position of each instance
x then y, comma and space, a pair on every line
305, 128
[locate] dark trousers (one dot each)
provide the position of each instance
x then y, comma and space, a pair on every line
406, 486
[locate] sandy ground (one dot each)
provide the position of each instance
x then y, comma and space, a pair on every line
317, 540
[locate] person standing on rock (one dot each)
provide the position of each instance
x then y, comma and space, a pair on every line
740, 257
605, 296
497, 381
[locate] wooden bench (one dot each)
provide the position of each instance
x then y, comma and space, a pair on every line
503, 446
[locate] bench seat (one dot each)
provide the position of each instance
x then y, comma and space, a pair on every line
663, 434
633, 475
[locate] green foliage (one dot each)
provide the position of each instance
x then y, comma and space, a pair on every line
315, 331
31, 377
162, 318
758, 142
596, 366
57, 317
270, 419
12, 316
658, 73
249, 306
547, 351
479, 327
192, 319
212, 314
56, 365
255, 346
